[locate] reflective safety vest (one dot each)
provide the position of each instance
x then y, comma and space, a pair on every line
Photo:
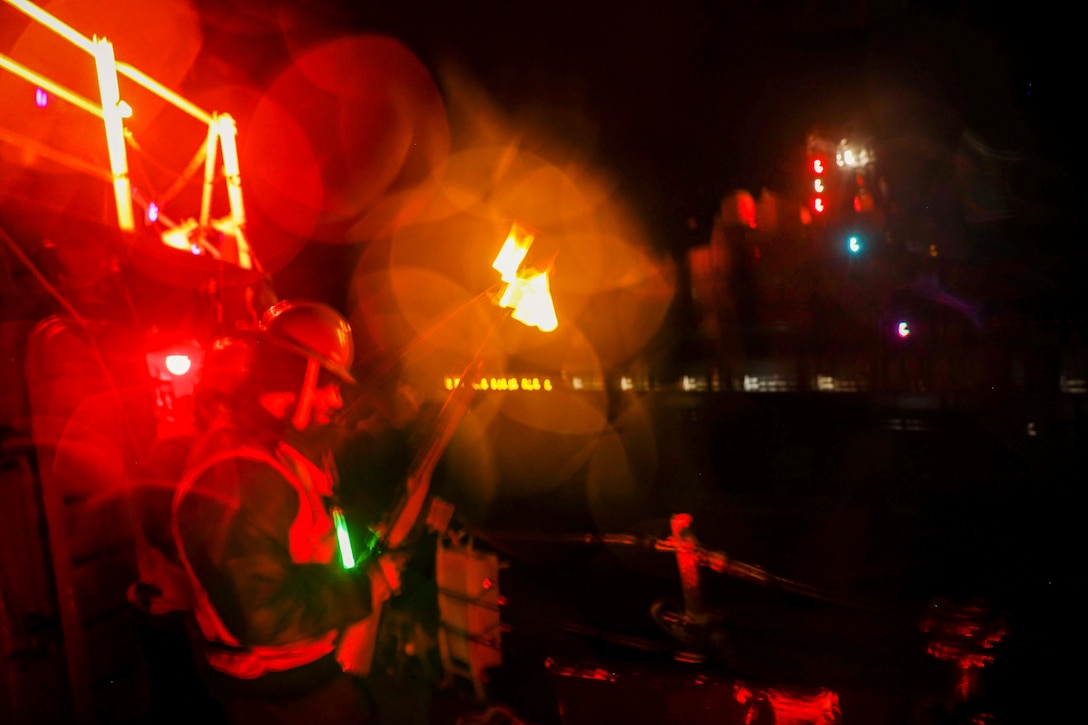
312, 539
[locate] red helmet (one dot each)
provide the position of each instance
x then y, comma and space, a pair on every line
313, 330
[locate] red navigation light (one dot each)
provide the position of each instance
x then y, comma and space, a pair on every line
819, 186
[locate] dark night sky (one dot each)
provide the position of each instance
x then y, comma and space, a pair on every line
692, 99
695, 98
676, 79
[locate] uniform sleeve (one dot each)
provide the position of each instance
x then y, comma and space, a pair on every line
261, 595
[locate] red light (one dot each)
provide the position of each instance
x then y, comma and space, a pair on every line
818, 166
857, 203
178, 364
818, 205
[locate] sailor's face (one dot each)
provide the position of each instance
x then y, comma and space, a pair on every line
327, 400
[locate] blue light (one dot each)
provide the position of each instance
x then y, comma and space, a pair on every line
41, 98
152, 212
195, 248
854, 245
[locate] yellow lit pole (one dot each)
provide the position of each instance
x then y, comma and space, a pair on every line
49, 86
182, 104
84, 43
113, 114
232, 172
222, 132
211, 155
57, 26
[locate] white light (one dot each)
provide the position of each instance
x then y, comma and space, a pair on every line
626, 383
852, 157
178, 364
152, 212
576, 383
903, 329
818, 185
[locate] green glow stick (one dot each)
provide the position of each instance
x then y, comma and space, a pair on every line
347, 557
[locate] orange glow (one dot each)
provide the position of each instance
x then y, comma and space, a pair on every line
512, 253
533, 303
528, 294
365, 136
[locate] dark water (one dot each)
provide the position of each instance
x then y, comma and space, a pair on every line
871, 512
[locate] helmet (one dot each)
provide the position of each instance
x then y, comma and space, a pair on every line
314, 331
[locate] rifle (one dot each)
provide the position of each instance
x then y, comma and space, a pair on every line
355, 651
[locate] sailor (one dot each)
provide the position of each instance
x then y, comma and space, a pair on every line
253, 524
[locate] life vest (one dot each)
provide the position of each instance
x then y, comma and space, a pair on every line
312, 539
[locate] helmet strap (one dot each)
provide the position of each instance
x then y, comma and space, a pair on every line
305, 404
